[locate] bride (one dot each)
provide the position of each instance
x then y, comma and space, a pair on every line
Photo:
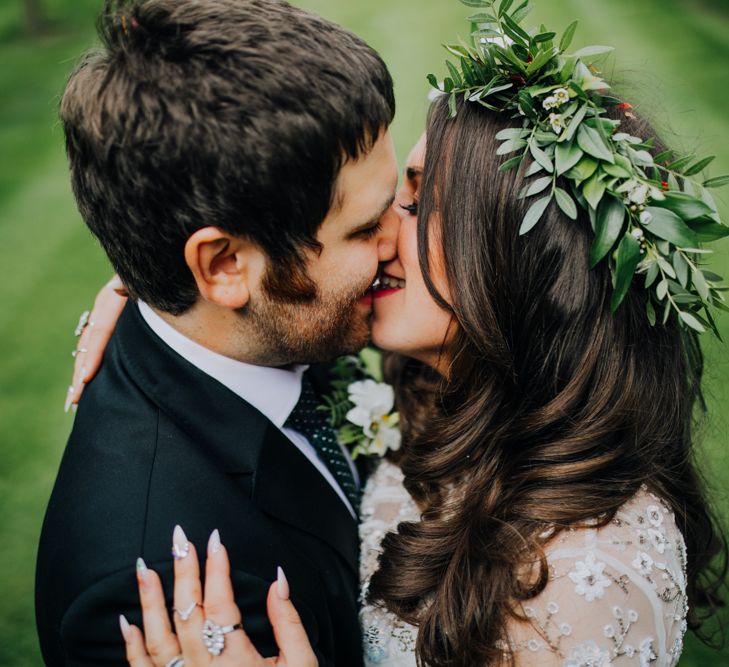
545, 508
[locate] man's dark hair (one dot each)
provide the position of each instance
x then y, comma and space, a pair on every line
237, 114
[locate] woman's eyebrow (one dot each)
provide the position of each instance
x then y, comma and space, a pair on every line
413, 172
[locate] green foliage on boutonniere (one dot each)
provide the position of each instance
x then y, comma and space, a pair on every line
361, 409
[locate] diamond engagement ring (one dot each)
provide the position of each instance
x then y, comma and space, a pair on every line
177, 661
83, 322
214, 636
184, 614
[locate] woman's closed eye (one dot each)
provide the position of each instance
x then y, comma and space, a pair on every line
412, 209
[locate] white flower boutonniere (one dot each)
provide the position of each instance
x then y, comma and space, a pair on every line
362, 408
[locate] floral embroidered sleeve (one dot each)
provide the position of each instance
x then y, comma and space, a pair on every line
616, 595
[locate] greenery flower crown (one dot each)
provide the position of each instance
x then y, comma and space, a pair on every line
649, 213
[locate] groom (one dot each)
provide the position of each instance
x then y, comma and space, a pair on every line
233, 159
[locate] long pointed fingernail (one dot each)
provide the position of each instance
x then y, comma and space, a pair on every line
125, 628
69, 398
142, 572
82, 375
214, 542
180, 545
282, 585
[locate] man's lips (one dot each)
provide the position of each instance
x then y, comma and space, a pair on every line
366, 299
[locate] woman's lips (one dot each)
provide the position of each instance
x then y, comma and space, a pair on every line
386, 292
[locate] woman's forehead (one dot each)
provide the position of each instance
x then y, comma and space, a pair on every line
416, 157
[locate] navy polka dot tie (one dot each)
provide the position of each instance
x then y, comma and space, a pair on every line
315, 426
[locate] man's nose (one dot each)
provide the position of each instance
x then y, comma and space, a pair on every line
387, 241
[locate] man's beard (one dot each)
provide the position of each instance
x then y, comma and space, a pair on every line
320, 329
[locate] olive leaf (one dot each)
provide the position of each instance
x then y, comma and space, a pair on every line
568, 36
594, 189
538, 186
683, 205
626, 261
534, 214
651, 274
708, 230
691, 321
593, 51
700, 284
717, 182
541, 157
510, 146
682, 268
574, 125
667, 225
593, 144
699, 166
582, 170
566, 156
608, 227
511, 164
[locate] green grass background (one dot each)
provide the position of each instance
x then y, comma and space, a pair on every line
673, 57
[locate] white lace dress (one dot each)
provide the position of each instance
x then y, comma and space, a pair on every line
616, 595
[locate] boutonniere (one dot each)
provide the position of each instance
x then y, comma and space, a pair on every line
361, 406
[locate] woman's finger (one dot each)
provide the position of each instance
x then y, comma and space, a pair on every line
293, 642
137, 655
188, 611
220, 608
92, 343
162, 645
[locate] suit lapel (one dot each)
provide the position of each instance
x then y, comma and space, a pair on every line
287, 486
238, 437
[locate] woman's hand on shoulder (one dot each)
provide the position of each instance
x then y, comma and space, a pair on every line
95, 335
194, 609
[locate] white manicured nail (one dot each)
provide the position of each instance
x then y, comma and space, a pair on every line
214, 542
282, 585
69, 398
142, 571
125, 628
180, 545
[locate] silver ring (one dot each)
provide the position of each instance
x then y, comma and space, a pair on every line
81, 350
177, 661
214, 636
83, 322
185, 614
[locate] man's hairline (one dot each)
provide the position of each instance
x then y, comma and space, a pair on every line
338, 196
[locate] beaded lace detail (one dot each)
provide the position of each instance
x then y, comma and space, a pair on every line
616, 595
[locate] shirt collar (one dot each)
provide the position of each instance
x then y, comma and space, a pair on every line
274, 392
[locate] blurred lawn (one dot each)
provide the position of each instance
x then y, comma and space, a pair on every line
673, 57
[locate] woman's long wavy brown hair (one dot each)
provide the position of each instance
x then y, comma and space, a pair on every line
554, 411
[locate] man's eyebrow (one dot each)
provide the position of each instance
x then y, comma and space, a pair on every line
373, 220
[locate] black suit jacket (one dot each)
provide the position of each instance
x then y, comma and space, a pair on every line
157, 442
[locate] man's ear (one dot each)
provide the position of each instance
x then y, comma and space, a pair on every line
226, 268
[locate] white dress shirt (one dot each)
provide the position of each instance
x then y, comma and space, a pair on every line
274, 392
